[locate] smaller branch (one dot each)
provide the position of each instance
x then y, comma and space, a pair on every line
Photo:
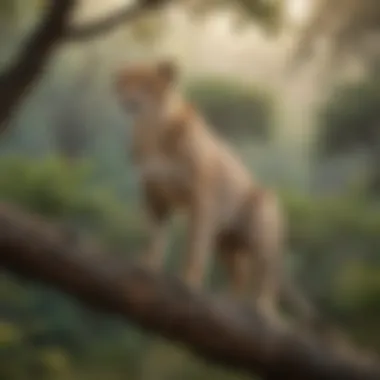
16, 80
54, 28
108, 23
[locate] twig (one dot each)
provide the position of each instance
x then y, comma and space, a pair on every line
17, 79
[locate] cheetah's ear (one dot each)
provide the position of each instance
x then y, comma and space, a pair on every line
168, 70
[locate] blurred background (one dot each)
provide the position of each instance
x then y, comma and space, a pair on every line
294, 85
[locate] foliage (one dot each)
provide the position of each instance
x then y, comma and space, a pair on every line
336, 242
348, 24
7, 7
236, 111
358, 289
50, 188
44, 335
65, 193
10, 10
267, 14
148, 29
350, 119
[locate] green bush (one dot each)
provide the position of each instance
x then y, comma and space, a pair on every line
349, 122
66, 193
335, 242
47, 186
349, 118
43, 335
235, 110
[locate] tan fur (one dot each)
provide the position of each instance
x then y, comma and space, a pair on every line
184, 165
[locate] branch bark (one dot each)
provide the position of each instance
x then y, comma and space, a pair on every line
218, 330
55, 28
17, 79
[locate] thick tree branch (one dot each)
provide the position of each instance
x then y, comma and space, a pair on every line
16, 80
220, 331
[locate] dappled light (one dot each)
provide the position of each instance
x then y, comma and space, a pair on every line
288, 92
